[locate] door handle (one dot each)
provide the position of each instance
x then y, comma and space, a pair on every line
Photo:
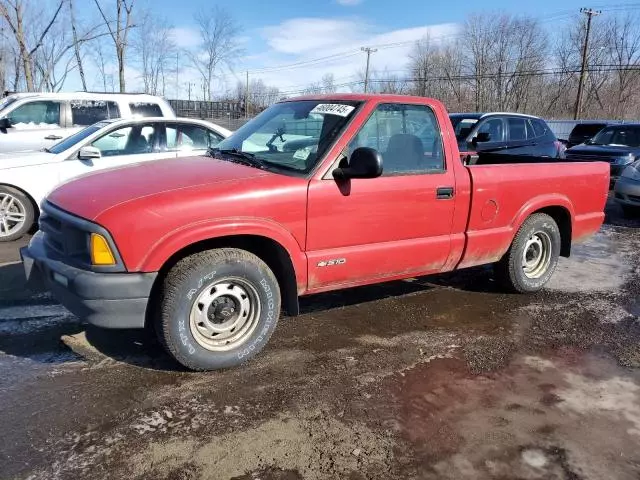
53, 137
444, 193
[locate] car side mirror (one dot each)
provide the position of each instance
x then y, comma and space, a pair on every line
89, 153
365, 162
5, 123
482, 137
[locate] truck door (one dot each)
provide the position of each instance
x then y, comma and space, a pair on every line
397, 224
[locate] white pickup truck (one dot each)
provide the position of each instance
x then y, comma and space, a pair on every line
32, 121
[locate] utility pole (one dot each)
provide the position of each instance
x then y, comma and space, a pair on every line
590, 14
368, 51
246, 99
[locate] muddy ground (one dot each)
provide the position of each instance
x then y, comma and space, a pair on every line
439, 377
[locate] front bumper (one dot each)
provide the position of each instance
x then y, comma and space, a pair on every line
108, 300
627, 192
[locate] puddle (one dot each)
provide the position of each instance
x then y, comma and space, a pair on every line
540, 417
601, 264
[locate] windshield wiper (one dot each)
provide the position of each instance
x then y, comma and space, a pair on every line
239, 156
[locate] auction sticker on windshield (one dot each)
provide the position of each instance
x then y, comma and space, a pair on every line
333, 109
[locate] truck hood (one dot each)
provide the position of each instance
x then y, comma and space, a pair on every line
602, 150
25, 159
93, 194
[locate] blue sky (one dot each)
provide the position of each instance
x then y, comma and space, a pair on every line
283, 32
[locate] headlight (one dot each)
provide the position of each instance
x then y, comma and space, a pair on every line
632, 171
630, 158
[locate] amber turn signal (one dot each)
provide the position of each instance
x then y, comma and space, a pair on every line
101, 253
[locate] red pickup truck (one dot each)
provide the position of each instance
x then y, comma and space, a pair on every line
315, 194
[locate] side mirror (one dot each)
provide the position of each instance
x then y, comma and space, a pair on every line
365, 162
89, 153
5, 123
482, 137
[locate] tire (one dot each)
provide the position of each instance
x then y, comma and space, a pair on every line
208, 293
630, 212
538, 238
17, 214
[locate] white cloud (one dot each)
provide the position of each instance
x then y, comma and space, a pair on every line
349, 3
304, 35
302, 39
185, 37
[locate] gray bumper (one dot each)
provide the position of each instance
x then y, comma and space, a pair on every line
109, 300
627, 192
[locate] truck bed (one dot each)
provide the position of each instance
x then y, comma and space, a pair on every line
502, 196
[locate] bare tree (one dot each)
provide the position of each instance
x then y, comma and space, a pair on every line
119, 33
76, 45
328, 83
219, 45
155, 49
13, 12
623, 44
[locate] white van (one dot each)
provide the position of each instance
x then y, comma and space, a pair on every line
32, 121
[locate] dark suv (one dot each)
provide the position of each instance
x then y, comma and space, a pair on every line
485, 138
583, 132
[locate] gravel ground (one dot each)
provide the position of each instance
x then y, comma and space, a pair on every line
439, 377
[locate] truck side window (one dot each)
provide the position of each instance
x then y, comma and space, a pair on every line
35, 115
145, 109
407, 136
88, 112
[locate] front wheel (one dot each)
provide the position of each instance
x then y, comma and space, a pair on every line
532, 257
218, 309
16, 214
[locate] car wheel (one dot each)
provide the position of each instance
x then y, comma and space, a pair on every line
532, 257
629, 211
17, 214
218, 309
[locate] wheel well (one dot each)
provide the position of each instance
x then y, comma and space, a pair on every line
36, 207
268, 250
563, 218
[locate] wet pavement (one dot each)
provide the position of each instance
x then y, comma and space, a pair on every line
439, 377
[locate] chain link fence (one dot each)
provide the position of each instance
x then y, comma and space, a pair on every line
229, 115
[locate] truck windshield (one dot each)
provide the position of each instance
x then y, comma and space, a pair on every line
289, 136
622, 135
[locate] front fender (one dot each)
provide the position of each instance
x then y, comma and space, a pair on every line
187, 235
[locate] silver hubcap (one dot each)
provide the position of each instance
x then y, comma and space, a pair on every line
225, 314
537, 255
12, 214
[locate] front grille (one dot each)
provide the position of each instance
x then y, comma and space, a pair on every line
63, 239
635, 198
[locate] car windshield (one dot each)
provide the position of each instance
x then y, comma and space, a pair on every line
288, 136
462, 126
617, 136
69, 142
6, 101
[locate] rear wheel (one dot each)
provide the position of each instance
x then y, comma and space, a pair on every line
533, 256
219, 309
16, 214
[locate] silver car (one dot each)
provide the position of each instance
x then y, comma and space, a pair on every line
627, 190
